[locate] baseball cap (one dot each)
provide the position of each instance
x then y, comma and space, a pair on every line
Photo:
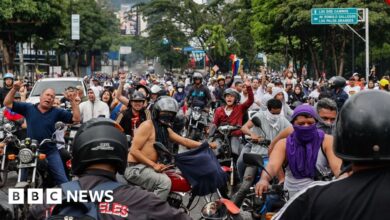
383, 82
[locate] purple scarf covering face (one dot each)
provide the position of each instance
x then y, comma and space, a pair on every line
302, 150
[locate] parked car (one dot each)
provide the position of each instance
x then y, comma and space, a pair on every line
58, 84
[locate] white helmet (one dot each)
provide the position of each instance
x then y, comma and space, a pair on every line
155, 89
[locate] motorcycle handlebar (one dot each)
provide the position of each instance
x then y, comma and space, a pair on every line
45, 141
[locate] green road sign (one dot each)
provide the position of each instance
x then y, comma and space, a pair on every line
334, 16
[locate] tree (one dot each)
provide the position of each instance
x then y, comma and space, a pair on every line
98, 28
284, 27
20, 19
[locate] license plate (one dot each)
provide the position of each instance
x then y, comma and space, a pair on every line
1, 134
72, 134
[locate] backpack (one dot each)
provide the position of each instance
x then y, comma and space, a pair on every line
79, 210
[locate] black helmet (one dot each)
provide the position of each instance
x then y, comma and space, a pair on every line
99, 140
165, 104
363, 128
337, 82
139, 86
137, 96
234, 93
179, 123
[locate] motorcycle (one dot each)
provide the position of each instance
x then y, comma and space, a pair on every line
70, 133
197, 124
252, 171
271, 201
224, 150
256, 160
181, 187
11, 146
32, 168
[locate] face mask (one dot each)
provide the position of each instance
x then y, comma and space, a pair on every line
272, 118
305, 133
327, 128
180, 89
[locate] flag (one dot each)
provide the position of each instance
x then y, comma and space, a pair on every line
236, 64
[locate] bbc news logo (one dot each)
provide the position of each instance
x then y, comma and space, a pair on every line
54, 196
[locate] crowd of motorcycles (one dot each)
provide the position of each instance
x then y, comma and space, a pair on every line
23, 156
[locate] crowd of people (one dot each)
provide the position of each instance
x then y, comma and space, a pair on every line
297, 115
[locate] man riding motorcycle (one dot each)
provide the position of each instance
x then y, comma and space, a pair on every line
307, 153
219, 90
135, 114
8, 83
96, 165
233, 114
363, 138
198, 95
272, 122
144, 168
336, 86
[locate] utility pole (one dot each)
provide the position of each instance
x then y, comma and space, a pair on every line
367, 45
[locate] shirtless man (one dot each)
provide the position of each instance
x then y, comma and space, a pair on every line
144, 169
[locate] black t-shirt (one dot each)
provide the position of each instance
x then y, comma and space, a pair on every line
364, 195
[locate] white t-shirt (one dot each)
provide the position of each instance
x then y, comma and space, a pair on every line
314, 94
352, 90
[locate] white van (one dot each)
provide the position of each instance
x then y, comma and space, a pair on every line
58, 84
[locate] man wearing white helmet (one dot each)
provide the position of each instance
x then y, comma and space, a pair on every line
199, 94
8, 82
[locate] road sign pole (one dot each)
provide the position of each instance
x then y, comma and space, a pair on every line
367, 45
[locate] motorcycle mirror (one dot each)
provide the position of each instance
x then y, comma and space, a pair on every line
253, 159
251, 114
214, 210
59, 125
212, 130
161, 148
256, 121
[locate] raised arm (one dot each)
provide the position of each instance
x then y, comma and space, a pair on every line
9, 99
74, 102
119, 96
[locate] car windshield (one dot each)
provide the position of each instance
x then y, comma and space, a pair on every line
58, 86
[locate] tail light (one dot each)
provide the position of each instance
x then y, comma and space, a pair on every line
69, 164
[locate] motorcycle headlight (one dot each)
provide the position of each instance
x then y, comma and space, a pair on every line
8, 127
196, 116
25, 155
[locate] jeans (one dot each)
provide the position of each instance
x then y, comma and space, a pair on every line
147, 178
240, 161
55, 165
